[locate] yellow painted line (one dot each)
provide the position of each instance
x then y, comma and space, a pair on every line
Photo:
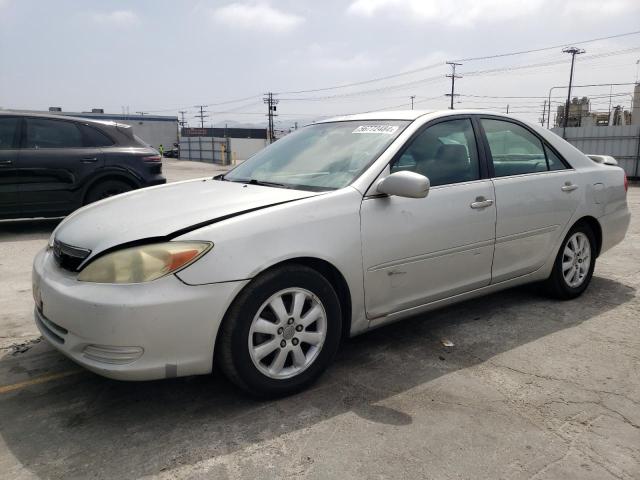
37, 380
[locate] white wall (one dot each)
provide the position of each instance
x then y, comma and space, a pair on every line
243, 148
155, 132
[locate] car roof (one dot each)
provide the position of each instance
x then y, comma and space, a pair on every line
409, 115
22, 113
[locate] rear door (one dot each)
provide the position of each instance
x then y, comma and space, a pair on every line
54, 162
9, 141
536, 195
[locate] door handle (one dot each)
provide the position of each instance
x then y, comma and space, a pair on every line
6, 162
568, 187
481, 202
89, 159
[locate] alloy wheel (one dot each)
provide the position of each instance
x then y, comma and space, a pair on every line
576, 259
287, 333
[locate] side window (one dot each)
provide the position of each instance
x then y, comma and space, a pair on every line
8, 130
514, 149
445, 153
47, 133
553, 160
94, 137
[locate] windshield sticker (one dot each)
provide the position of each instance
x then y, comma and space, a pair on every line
386, 129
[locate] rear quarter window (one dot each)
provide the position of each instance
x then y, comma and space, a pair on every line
94, 137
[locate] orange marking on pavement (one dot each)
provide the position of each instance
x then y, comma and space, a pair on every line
37, 380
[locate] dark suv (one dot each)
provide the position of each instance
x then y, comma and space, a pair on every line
52, 164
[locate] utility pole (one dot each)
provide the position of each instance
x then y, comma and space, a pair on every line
183, 122
453, 77
271, 109
412, 97
573, 51
544, 111
507, 108
201, 115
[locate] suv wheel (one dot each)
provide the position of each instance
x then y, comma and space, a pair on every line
105, 189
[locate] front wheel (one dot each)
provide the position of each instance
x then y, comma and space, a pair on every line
574, 264
281, 332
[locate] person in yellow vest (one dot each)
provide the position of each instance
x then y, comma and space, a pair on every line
161, 150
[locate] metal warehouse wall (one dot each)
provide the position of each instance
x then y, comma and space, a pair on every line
243, 148
621, 142
219, 150
205, 149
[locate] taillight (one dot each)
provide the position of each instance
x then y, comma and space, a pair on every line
152, 158
626, 182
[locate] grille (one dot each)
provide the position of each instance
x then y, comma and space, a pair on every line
68, 256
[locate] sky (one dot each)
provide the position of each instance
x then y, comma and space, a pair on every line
162, 56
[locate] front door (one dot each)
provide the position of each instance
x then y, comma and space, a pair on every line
536, 196
9, 138
53, 162
416, 251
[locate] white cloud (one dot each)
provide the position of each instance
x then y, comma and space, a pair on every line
450, 12
117, 18
597, 8
260, 16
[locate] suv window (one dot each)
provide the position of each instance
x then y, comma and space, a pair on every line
94, 137
47, 133
8, 129
445, 153
514, 149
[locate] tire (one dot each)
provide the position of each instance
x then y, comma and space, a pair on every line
105, 189
237, 353
560, 283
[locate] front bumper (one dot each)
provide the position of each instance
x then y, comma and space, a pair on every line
144, 331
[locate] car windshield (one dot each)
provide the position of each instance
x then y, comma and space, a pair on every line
324, 156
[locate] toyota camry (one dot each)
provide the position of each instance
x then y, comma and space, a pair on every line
343, 226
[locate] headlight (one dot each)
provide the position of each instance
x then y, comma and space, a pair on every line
144, 263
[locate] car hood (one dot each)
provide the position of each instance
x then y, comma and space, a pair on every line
165, 212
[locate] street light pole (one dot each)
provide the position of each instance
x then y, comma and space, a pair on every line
573, 51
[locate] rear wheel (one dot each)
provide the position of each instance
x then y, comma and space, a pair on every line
105, 189
281, 332
574, 264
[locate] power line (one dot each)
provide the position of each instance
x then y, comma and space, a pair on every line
427, 67
535, 50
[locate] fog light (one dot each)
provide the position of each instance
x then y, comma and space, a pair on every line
112, 354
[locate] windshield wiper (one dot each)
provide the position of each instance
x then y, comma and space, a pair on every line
262, 183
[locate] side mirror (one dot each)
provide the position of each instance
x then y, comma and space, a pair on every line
404, 184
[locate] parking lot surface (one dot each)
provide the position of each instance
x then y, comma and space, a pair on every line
530, 388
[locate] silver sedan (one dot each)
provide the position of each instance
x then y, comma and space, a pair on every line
341, 227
